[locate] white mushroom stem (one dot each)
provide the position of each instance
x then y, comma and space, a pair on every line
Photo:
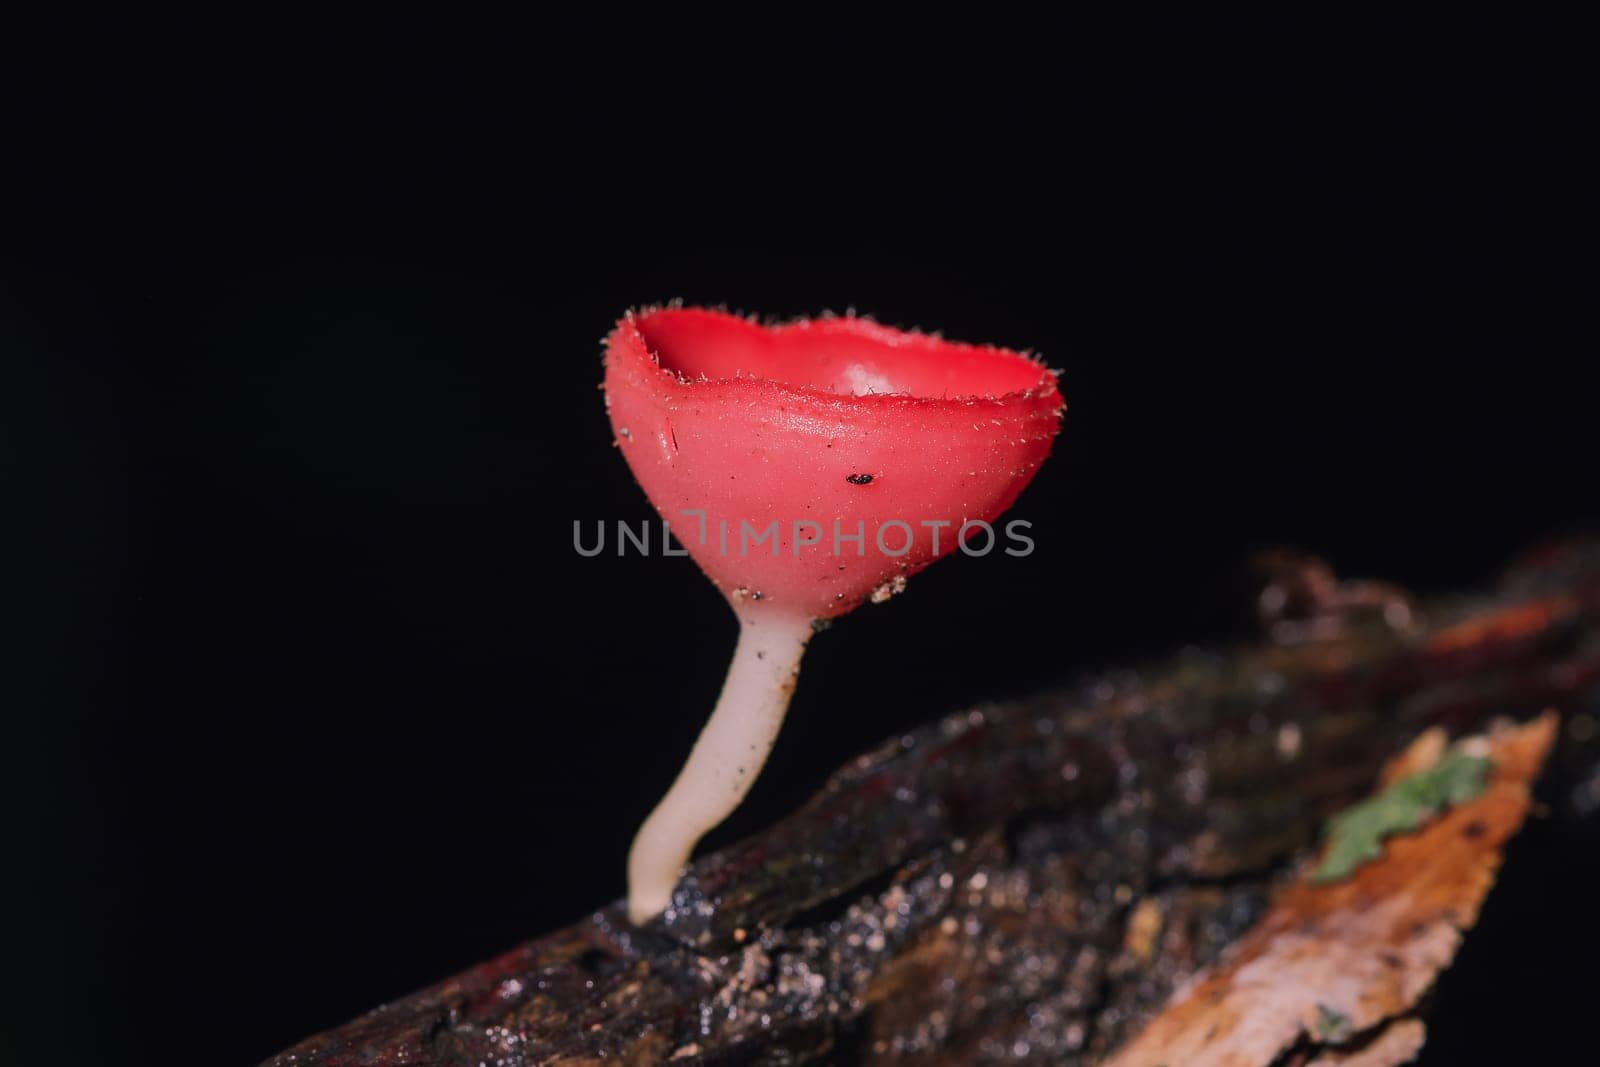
725, 759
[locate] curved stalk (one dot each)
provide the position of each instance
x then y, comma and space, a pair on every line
730, 752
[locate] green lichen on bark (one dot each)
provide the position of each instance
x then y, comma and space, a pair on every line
1332, 1027
1356, 835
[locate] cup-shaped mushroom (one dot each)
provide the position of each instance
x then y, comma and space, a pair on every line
807, 465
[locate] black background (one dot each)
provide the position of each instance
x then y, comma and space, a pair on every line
318, 705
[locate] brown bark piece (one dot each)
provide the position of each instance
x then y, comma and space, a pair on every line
1330, 963
1397, 1043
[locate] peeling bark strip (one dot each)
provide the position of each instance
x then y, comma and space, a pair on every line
1026, 882
1399, 1042
1332, 964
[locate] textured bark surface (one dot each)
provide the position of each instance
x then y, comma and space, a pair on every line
1335, 969
1030, 882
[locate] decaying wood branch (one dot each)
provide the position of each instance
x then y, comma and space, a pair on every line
1027, 882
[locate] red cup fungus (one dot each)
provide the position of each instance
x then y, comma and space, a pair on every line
807, 468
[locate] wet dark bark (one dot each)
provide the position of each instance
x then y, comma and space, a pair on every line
1026, 881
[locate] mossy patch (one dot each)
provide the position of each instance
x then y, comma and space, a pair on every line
1356, 835
1332, 1027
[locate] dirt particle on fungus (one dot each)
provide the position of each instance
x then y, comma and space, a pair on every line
897, 584
819, 625
625, 433
858, 479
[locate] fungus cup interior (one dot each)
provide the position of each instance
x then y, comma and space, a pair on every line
850, 356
